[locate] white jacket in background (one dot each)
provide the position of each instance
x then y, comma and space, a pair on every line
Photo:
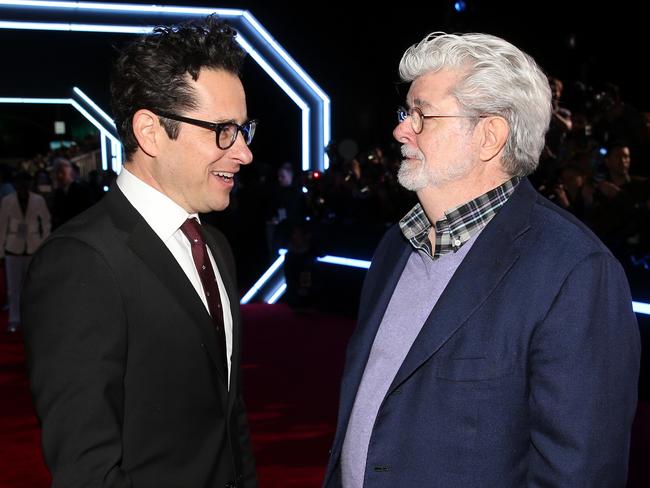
17, 229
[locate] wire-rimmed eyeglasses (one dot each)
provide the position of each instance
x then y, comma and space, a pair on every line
417, 117
226, 132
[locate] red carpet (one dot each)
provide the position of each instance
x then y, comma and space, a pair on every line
293, 364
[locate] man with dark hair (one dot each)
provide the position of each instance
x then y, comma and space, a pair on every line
131, 310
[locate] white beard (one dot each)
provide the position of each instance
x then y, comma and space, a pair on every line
412, 174
415, 174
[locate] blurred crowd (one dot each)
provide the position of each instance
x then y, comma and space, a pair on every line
595, 165
58, 179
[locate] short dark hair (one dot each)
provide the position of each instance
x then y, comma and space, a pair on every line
151, 72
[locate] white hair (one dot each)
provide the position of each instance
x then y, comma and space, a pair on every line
498, 79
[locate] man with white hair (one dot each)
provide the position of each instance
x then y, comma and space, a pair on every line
496, 344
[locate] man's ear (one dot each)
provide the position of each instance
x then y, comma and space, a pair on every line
494, 135
147, 131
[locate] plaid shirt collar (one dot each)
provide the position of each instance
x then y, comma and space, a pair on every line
458, 225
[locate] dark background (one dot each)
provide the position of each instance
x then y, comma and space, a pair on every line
352, 52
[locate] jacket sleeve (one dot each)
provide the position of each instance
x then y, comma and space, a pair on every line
247, 459
583, 372
75, 334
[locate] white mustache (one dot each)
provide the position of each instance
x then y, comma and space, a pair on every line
412, 153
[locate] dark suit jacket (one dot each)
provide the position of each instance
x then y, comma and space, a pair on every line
524, 374
67, 205
123, 360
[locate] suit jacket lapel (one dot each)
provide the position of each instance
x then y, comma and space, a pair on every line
153, 252
495, 251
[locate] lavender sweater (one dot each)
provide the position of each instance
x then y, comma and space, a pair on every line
417, 292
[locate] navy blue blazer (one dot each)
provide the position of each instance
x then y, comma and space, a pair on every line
524, 374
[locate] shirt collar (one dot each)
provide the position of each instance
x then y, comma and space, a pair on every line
458, 225
163, 215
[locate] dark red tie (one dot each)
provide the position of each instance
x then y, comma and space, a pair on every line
192, 230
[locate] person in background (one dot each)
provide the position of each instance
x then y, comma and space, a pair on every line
622, 203
24, 225
70, 197
286, 209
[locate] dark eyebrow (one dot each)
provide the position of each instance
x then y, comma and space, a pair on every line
230, 121
225, 121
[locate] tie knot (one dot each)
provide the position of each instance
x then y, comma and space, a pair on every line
191, 230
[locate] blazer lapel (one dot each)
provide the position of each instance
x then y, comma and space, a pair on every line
495, 251
152, 251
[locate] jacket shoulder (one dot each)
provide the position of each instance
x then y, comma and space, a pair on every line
94, 227
564, 230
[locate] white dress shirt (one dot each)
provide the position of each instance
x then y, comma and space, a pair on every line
165, 217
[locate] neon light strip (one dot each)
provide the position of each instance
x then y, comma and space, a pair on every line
54, 101
93, 120
642, 308
289, 91
123, 7
87, 99
263, 279
103, 132
638, 307
116, 151
69, 27
277, 293
301, 73
263, 34
326, 132
354, 263
306, 161
103, 138
69, 101
285, 56
116, 147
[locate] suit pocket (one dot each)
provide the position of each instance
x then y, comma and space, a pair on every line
474, 369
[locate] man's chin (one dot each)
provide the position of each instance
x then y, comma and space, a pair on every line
410, 183
216, 206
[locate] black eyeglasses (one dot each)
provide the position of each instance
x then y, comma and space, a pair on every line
417, 117
226, 131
